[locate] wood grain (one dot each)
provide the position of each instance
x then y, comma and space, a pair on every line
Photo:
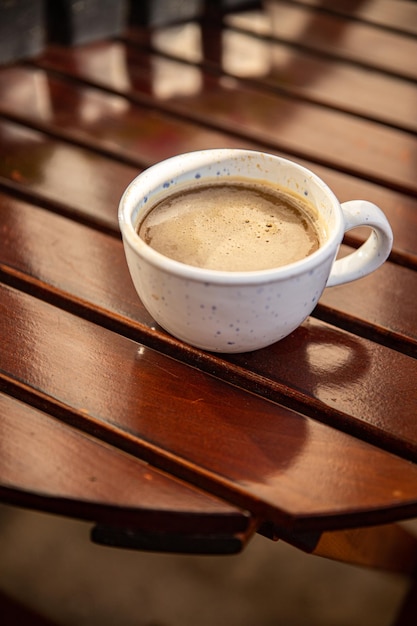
400, 16
289, 68
328, 33
258, 454
37, 467
346, 379
390, 548
137, 137
353, 145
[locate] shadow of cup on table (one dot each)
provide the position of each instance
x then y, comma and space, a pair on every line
314, 359
215, 428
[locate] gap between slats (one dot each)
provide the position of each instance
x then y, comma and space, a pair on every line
370, 14
16, 189
212, 364
247, 134
253, 136
102, 416
128, 328
287, 91
322, 48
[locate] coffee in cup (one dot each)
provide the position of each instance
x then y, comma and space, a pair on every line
236, 225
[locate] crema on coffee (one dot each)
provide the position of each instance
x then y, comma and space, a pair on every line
233, 226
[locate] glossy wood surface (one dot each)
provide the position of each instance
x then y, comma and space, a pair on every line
115, 388
103, 478
327, 355
313, 434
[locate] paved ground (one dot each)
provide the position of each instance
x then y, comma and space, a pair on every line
50, 564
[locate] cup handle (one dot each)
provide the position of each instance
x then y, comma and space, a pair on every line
372, 253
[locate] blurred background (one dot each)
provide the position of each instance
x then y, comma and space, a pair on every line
49, 564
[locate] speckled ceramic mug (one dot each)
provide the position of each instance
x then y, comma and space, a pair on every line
229, 311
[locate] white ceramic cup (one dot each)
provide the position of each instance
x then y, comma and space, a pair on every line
225, 311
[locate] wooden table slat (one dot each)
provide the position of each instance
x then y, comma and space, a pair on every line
334, 35
106, 485
234, 443
400, 15
152, 136
27, 155
283, 68
381, 154
93, 280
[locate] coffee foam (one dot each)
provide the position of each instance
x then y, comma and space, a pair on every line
232, 227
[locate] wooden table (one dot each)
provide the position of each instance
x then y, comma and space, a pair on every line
103, 415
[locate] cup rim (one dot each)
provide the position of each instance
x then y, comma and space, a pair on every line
157, 174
